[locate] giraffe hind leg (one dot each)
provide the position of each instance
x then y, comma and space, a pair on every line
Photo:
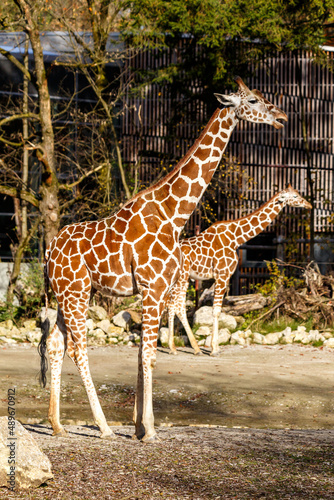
77, 351
56, 346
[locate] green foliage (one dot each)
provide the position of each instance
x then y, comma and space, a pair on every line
277, 280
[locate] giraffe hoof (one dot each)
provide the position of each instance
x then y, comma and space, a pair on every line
60, 433
198, 353
151, 439
214, 354
108, 435
173, 352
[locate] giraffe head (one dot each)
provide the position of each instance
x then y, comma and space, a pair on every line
250, 105
291, 197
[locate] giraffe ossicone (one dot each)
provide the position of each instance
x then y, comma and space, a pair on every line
213, 255
135, 250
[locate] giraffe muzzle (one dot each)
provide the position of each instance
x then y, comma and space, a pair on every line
279, 120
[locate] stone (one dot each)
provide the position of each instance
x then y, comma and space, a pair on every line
327, 335
115, 331
104, 325
238, 338
287, 335
272, 338
90, 324
163, 335
300, 335
32, 466
122, 319
52, 316
97, 313
29, 324
99, 333
329, 343
5, 332
112, 340
135, 316
315, 336
224, 336
227, 321
203, 331
208, 341
8, 324
6, 340
34, 336
203, 316
258, 338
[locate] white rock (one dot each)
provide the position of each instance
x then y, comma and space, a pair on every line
8, 324
99, 333
272, 338
105, 325
97, 313
227, 321
163, 335
29, 324
5, 332
113, 340
258, 338
327, 335
238, 338
329, 343
203, 331
224, 336
7, 340
208, 341
204, 316
34, 336
122, 319
301, 329
201, 342
90, 324
115, 331
32, 466
301, 335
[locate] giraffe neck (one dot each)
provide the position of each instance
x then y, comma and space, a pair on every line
253, 224
177, 194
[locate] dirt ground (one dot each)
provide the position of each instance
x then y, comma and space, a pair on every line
254, 422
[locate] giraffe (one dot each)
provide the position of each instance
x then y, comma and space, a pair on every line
135, 250
212, 254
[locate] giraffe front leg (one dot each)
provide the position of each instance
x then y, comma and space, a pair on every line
80, 358
221, 282
143, 416
220, 288
55, 347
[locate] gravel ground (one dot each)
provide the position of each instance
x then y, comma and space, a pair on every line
276, 403
187, 463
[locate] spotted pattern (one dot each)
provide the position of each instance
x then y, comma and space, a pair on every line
213, 255
136, 250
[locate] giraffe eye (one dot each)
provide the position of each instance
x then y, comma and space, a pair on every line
252, 101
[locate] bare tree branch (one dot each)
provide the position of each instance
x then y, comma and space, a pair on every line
22, 195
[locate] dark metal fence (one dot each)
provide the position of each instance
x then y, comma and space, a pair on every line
163, 122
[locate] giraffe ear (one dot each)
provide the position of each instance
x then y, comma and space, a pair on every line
231, 100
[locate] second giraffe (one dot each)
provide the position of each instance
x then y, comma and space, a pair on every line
213, 254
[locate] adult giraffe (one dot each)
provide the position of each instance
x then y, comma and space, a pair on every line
136, 250
213, 254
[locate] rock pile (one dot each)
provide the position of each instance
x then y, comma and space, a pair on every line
125, 327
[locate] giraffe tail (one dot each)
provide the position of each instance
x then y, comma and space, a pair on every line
45, 327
